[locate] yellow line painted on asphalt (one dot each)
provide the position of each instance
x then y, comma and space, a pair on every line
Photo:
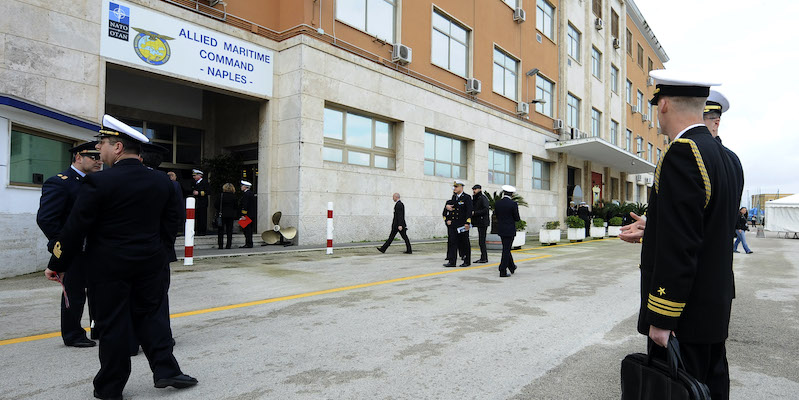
310, 294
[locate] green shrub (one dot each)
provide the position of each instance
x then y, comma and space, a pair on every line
574, 221
599, 222
521, 225
615, 221
553, 225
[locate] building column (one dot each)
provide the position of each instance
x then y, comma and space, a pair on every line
622, 186
608, 189
562, 182
588, 194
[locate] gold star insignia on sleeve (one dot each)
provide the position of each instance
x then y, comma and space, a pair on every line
661, 291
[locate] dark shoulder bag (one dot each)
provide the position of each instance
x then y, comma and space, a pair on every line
644, 377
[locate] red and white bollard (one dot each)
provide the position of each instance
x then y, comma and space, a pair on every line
329, 228
189, 232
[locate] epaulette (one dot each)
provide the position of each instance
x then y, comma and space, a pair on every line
699, 162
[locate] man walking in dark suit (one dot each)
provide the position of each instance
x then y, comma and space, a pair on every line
398, 225
458, 226
58, 196
199, 189
480, 220
247, 205
127, 217
507, 212
686, 261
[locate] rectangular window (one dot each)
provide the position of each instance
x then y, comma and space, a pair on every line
501, 167
444, 156
648, 65
596, 7
450, 44
614, 133
629, 42
596, 122
540, 174
628, 141
573, 111
184, 144
614, 79
649, 152
596, 63
358, 139
649, 110
36, 157
544, 89
639, 146
505, 73
640, 56
371, 16
544, 15
629, 92
639, 101
614, 24
659, 154
574, 42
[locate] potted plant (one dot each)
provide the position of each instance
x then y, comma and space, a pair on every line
598, 228
521, 234
549, 233
493, 240
576, 228
614, 227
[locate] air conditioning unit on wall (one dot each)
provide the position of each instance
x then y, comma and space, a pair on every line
616, 43
519, 15
473, 86
650, 81
634, 108
522, 108
557, 124
401, 54
599, 24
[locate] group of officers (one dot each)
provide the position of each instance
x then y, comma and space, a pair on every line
227, 209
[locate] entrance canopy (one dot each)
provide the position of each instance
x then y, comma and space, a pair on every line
782, 215
600, 151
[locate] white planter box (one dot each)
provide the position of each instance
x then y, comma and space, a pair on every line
519, 240
597, 232
614, 231
547, 236
577, 234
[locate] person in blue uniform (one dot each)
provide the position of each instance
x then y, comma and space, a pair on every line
458, 227
398, 225
126, 217
58, 196
507, 212
200, 191
687, 282
480, 220
248, 209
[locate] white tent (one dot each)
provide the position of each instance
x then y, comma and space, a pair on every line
782, 215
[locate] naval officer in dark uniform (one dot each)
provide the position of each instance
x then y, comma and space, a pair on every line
247, 205
458, 226
480, 220
686, 261
126, 216
507, 212
58, 195
398, 225
199, 190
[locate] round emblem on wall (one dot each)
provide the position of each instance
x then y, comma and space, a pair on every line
151, 47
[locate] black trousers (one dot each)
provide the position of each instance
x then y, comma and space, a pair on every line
393, 234
507, 258
133, 304
226, 228
705, 362
248, 233
458, 243
481, 241
587, 227
201, 218
75, 285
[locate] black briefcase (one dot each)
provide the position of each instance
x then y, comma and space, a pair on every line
647, 378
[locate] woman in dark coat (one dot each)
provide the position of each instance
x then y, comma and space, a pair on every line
227, 206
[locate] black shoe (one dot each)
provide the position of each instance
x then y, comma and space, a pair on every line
449, 265
407, 252
512, 269
181, 381
227, 247
246, 246
749, 252
380, 249
97, 396
505, 275
481, 261
465, 264
82, 342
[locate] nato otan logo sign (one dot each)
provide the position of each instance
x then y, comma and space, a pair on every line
151, 47
118, 21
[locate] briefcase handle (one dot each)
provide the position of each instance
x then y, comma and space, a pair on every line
673, 356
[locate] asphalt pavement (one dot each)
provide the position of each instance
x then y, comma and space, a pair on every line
363, 325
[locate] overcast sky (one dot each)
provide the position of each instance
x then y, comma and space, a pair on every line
752, 48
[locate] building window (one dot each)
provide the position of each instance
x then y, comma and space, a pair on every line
184, 144
649, 152
372, 16
614, 24
614, 79
505, 73
640, 102
649, 110
648, 65
512, 3
573, 111
501, 167
640, 56
540, 174
596, 63
628, 91
614, 133
450, 44
543, 90
36, 156
659, 154
444, 156
639, 146
574, 42
544, 15
596, 7
596, 122
628, 140
358, 140
629, 43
